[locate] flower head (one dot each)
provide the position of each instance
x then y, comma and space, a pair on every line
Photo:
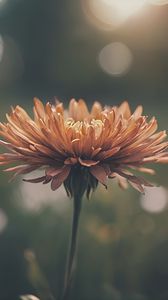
81, 148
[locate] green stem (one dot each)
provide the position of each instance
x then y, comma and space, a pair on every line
72, 249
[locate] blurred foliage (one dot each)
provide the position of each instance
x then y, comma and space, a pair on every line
122, 248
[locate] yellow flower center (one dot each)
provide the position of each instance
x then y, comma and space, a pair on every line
83, 126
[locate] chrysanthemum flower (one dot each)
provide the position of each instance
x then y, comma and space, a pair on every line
81, 148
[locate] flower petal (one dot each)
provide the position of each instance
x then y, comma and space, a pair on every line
147, 171
35, 180
162, 160
87, 163
70, 161
100, 174
138, 112
22, 169
60, 178
107, 153
54, 171
137, 186
125, 110
39, 107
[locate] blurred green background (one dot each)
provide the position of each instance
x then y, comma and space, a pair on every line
106, 50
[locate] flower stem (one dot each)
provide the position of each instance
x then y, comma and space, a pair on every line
72, 249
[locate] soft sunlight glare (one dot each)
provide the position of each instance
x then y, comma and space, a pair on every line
115, 59
2, 2
126, 7
158, 2
155, 199
109, 14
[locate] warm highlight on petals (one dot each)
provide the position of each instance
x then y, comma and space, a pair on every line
90, 146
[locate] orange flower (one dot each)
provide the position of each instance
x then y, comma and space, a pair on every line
81, 148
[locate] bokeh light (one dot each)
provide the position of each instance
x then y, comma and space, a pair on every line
2, 2
155, 199
1, 48
103, 233
109, 14
158, 2
105, 50
34, 199
3, 220
11, 61
115, 59
29, 297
